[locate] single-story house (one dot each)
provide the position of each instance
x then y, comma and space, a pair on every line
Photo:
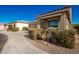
19, 24
58, 19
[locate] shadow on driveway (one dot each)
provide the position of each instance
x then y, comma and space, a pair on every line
3, 40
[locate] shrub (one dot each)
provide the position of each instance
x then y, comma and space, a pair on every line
15, 29
25, 28
38, 36
31, 34
64, 38
76, 26
69, 38
43, 32
35, 33
12, 28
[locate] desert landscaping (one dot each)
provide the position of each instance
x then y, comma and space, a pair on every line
50, 33
18, 43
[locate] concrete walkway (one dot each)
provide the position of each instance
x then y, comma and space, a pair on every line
18, 44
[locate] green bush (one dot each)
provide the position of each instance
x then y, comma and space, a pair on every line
12, 28
64, 38
25, 28
43, 32
76, 26
35, 33
15, 29
38, 37
31, 34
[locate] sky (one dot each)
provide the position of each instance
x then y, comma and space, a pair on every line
10, 13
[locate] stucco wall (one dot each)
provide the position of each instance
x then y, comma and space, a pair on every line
64, 22
1, 26
21, 25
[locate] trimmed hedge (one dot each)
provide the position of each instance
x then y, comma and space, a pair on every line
64, 38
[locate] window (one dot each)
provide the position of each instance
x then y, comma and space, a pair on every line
43, 23
53, 23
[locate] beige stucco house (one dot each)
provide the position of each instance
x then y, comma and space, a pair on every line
19, 24
58, 19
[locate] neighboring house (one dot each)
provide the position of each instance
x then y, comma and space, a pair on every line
58, 19
19, 24
2, 26
34, 24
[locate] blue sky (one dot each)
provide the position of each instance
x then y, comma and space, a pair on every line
9, 13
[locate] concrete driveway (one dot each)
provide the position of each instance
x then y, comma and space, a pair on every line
18, 44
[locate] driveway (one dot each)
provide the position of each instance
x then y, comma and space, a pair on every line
18, 44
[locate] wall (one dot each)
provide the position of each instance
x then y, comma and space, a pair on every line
21, 25
1, 26
64, 22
